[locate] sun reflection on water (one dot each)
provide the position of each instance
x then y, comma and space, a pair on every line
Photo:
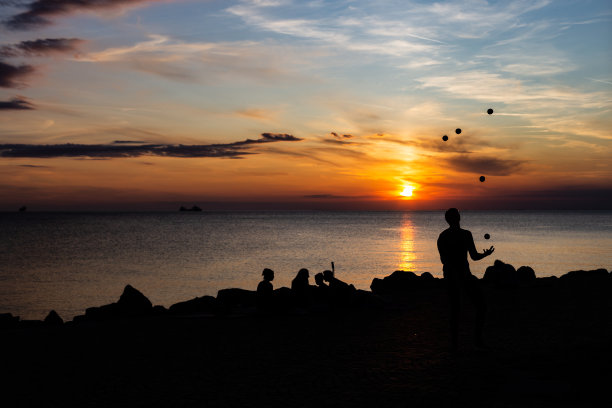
407, 261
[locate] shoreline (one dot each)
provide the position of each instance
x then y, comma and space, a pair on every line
381, 291
549, 347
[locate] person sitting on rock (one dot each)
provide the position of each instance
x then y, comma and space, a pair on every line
339, 291
320, 281
300, 287
265, 291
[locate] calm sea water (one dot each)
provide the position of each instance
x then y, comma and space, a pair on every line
70, 261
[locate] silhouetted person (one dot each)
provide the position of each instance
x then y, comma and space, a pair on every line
265, 291
339, 291
454, 244
300, 287
319, 280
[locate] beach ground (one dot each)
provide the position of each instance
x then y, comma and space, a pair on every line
550, 346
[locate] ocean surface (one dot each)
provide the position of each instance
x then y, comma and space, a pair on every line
71, 261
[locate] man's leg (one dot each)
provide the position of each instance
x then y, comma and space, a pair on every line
454, 297
476, 294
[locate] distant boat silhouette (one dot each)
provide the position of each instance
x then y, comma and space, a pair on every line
22, 209
194, 208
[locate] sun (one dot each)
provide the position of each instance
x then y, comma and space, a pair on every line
407, 191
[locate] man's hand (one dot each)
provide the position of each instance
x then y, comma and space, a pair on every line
489, 251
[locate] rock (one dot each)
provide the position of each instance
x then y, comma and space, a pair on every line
525, 274
105, 312
597, 276
367, 300
399, 282
79, 319
427, 276
159, 310
8, 321
204, 304
236, 297
133, 302
53, 319
283, 299
501, 273
30, 324
504, 274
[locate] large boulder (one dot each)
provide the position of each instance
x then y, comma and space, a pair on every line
367, 300
53, 319
131, 303
8, 321
236, 297
204, 304
400, 282
500, 273
504, 274
596, 276
525, 274
104, 312
283, 299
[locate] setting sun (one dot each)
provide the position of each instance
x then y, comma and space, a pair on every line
407, 191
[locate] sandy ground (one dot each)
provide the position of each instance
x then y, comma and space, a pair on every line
550, 346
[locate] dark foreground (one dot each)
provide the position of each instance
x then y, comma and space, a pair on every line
550, 346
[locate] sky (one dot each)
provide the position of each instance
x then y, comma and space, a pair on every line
298, 105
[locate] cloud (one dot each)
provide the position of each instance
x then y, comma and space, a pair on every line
129, 142
258, 114
339, 29
337, 197
481, 85
10, 75
123, 150
39, 12
16, 103
267, 137
210, 62
341, 137
485, 165
40, 47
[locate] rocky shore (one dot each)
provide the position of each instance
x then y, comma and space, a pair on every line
549, 345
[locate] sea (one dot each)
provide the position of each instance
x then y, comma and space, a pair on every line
70, 261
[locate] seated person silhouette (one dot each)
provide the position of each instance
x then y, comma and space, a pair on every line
265, 291
454, 244
300, 287
319, 280
339, 291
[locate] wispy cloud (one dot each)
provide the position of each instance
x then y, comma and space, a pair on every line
12, 76
40, 12
40, 47
197, 61
130, 149
257, 114
491, 87
16, 103
485, 165
353, 33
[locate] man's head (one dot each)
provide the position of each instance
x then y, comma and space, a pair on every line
452, 217
319, 279
268, 274
328, 275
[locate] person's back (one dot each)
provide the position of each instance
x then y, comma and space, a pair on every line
300, 287
454, 243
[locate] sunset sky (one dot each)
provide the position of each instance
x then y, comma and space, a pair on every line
286, 104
